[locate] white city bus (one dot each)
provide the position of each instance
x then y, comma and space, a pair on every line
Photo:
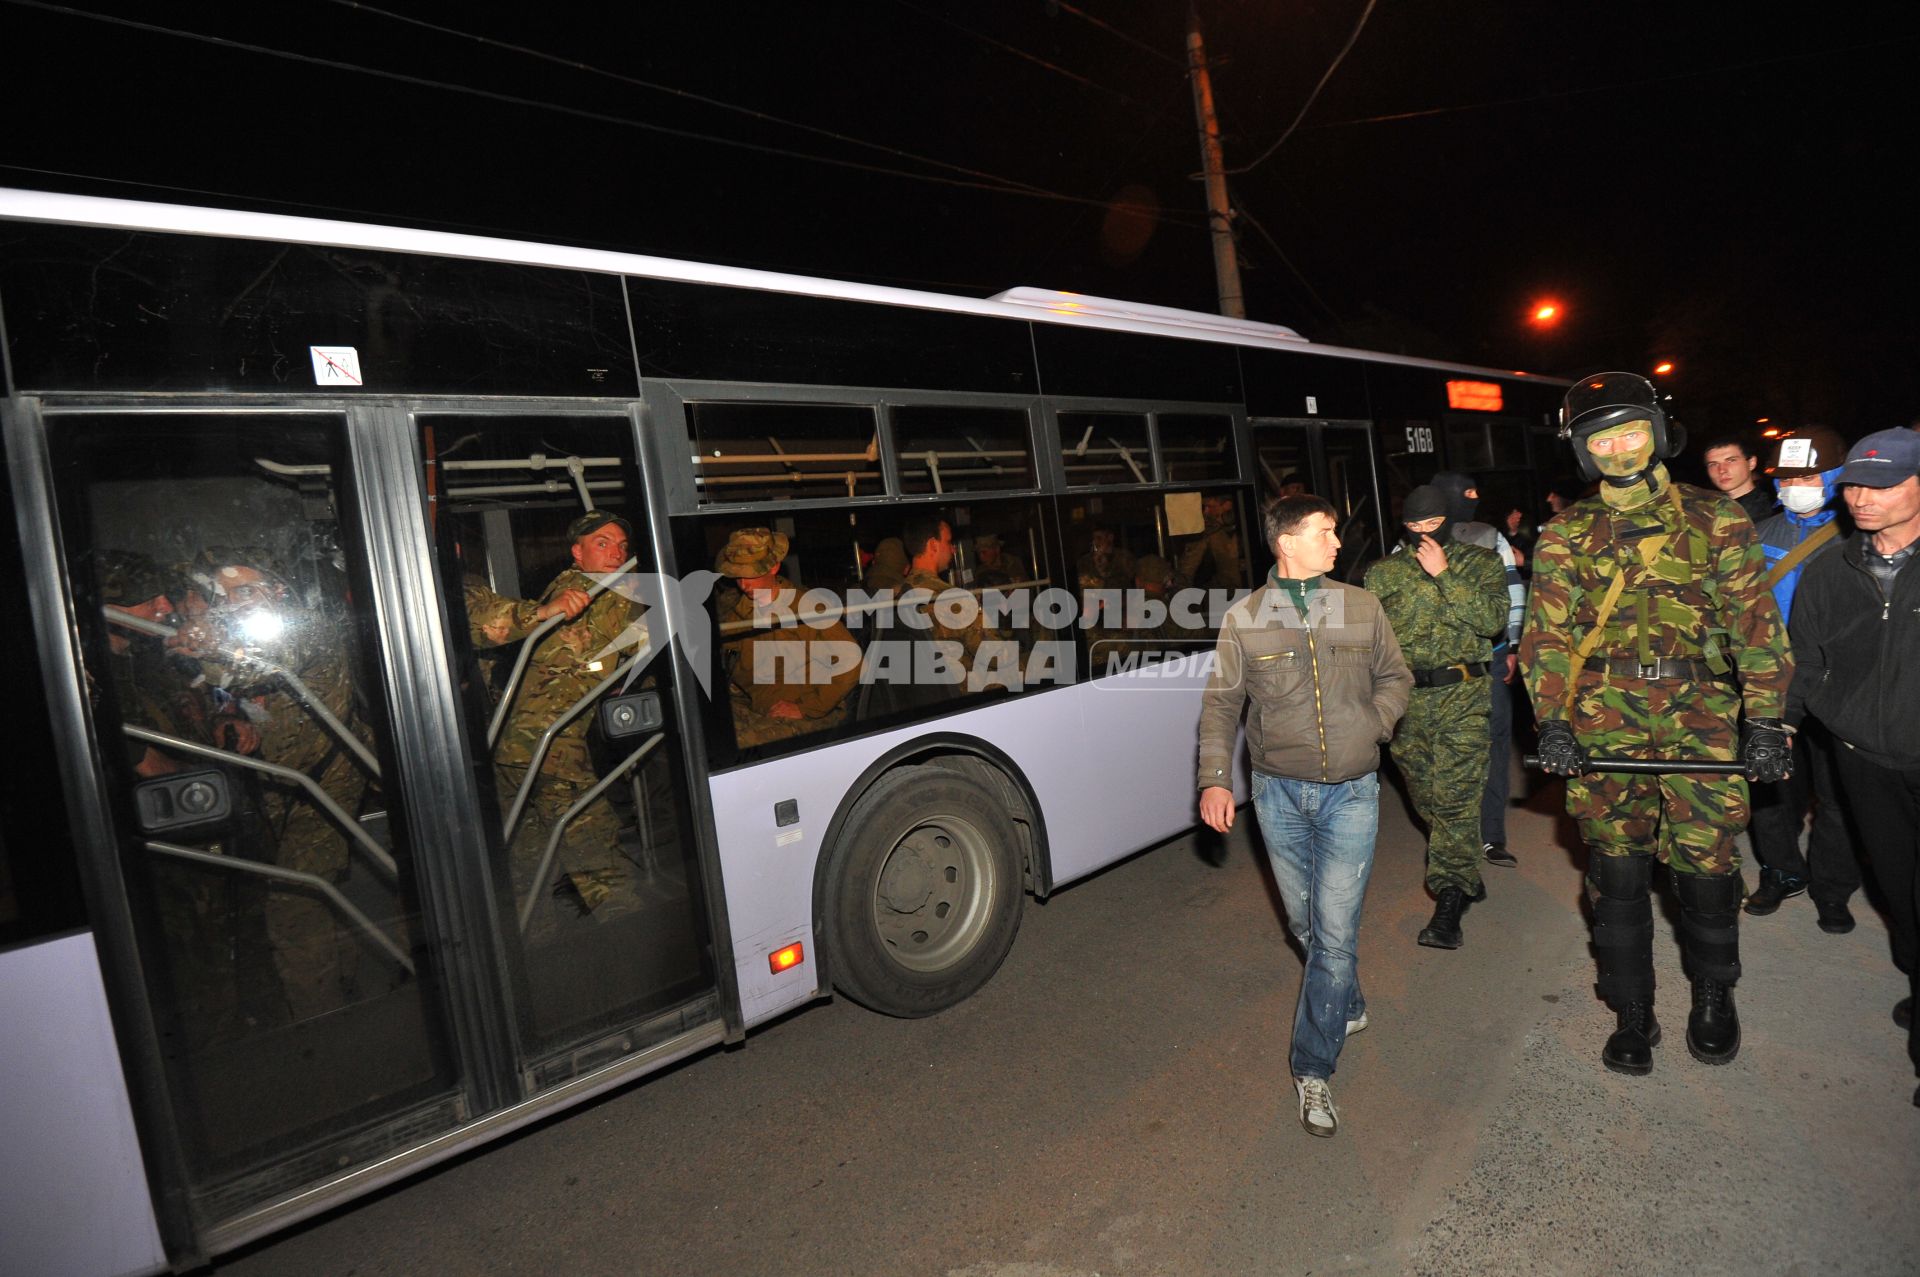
266, 943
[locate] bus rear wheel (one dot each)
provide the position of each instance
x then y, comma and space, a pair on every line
923, 893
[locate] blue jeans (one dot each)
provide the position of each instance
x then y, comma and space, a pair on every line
1493, 799
1320, 839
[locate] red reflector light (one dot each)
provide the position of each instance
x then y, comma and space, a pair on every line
781, 959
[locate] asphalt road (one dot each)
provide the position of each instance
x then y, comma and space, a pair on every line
1116, 1101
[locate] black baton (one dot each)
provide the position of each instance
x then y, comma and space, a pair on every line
1650, 765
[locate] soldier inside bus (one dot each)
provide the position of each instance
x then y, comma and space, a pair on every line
783, 682
594, 875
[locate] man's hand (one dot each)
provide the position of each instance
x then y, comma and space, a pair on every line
1513, 667
1216, 808
1432, 559
1766, 750
1560, 753
784, 709
236, 734
570, 602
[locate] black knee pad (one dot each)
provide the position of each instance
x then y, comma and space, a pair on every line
1710, 925
1619, 877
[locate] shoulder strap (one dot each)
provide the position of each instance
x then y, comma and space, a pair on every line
1800, 553
1592, 639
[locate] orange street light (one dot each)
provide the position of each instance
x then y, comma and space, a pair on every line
1546, 312
1662, 368
1771, 432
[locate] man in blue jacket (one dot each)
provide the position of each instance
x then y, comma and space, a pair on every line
1806, 471
1856, 627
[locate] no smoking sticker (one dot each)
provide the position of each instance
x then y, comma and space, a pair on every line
335, 365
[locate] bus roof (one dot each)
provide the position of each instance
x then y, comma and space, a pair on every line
1027, 303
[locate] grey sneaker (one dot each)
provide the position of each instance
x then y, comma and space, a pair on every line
1317, 1113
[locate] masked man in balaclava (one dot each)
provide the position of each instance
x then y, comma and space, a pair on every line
1445, 598
1806, 472
1648, 604
1463, 501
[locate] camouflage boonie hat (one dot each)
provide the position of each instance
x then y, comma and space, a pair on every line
751, 552
1153, 570
127, 578
988, 541
593, 521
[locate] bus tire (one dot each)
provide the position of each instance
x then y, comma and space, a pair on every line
923, 892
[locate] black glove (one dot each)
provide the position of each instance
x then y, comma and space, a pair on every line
1560, 753
1766, 750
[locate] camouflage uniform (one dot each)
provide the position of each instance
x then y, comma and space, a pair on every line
1220, 542
214, 940
494, 620
822, 695
1441, 744
888, 571
568, 663
969, 636
1693, 592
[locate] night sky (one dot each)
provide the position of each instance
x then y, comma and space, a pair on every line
1695, 182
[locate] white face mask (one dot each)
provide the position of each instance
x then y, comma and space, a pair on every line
1803, 500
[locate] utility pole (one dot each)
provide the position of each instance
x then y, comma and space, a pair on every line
1226, 264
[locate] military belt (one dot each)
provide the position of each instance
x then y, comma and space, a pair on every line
1448, 675
1630, 668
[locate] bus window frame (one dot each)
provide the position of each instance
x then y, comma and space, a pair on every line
668, 421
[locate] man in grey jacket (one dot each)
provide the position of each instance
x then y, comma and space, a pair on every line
1314, 665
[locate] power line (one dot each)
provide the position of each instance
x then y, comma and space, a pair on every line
704, 99
1137, 43
1001, 186
1312, 97
1018, 52
1241, 210
1618, 85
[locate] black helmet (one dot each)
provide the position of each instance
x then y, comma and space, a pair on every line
1608, 399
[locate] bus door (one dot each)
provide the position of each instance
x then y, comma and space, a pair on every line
561, 630
357, 937
1331, 459
244, 733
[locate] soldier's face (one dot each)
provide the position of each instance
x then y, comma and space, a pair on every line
602, 550
158, 608
1216, 507
1623, 449
1876, 509
989, 556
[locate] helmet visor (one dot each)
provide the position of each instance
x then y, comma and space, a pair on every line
1608, 390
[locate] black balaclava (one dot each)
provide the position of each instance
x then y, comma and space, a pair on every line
1460, 507
1423, 503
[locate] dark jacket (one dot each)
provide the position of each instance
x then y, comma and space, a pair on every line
1854, 656
1321, 698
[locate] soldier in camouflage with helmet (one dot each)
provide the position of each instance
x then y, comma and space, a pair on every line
253, 623
1445, 600
1650, 634
567, 664
784, 682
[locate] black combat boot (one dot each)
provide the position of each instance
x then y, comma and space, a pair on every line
1617, 886
1630, 1049
1444, 931
1710, 944
1773, 888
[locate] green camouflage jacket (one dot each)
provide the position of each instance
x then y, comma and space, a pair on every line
1446, 619
493, 619
570, 661
1694, 590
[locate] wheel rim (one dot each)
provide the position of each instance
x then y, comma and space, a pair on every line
933, 897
